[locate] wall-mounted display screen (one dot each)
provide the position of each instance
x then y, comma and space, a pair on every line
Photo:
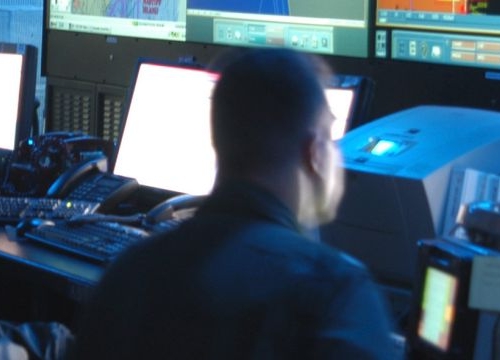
338, 27
458, 32
151, 19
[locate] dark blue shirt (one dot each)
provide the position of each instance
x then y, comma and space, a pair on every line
237, 281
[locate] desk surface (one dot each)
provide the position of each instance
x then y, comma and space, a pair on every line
70, 275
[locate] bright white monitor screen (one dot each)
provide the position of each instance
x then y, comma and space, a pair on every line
341, 101
166, 139
11, 66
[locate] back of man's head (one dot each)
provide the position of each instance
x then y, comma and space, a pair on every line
263, 105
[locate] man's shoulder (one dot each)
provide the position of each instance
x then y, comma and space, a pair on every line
314, 257
333, 261
261, 241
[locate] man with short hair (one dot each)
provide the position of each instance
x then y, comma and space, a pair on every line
241, 279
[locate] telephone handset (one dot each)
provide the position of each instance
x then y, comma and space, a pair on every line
164, 216
89, 181
175, 208
61, 186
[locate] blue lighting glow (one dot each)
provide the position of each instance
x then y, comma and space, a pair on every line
385, 147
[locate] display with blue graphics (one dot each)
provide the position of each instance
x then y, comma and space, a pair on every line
271, 7
319, 26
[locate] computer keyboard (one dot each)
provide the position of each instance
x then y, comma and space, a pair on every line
97, 241
13, 209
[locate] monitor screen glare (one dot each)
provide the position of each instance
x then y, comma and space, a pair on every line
166, 140
11, 66
340, 101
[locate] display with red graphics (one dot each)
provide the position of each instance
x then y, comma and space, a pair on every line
459, 32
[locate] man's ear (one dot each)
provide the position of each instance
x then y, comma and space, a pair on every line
313, 155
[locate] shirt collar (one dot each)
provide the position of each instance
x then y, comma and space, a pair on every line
250, 200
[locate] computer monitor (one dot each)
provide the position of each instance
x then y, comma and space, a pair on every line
442, 326
340, 27
165, 141
341, 110
349, 97
458, 32
150, 19
17, 93
398, 171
